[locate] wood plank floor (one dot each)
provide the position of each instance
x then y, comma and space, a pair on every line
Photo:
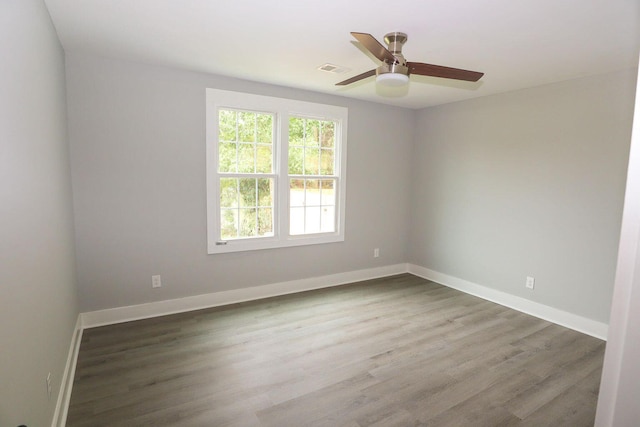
398, 351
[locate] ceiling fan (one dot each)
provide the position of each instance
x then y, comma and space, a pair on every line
395, 69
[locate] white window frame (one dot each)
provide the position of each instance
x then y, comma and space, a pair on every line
283, 109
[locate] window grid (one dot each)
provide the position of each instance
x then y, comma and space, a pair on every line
312, 205
311, 146
256, 144
245, 162
311, 162
232, 225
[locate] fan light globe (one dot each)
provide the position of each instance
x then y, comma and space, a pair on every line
392, 79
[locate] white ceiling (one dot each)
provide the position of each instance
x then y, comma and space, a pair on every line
516, 43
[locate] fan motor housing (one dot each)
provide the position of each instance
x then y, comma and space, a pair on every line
392, 68
395, 41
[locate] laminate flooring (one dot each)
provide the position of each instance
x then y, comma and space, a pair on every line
396, 351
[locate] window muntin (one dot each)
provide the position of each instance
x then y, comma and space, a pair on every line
246, 207
245, 173
311, 160
312, 206
275, 172
245, 142
311, 146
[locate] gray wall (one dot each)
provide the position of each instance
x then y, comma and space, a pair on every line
38, 302
137, 136
488, 190
526, 183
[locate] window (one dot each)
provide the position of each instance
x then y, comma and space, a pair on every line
275, 172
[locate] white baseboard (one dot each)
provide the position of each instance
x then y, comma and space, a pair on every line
66, 384
554, 315
197, 302
160, 308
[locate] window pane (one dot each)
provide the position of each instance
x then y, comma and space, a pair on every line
326, 162
264, 126
248, 224
265, 192
312, 193
327, 131
312, 183
227, 157
228, 192
312, 133
265, 222
295, 160
296, 221
246, 158
312, 219
296, 192
328, 193
311, 161
296, 131
247, 192
263, 159
226, 125
328, 219
228, 224
246, 126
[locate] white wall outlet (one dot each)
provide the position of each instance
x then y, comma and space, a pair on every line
49, 385
156, 282
376, 252
530, 283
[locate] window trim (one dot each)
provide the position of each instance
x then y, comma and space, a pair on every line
282, 108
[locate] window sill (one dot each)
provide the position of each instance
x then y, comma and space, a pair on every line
273, 243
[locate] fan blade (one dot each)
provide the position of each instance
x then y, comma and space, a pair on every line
358, 77
445, 72
374, 46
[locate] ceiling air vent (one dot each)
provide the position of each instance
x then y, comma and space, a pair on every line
332, 68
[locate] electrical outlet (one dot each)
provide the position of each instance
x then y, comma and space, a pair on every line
156, 282
49, 385
530, 283
376, 252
